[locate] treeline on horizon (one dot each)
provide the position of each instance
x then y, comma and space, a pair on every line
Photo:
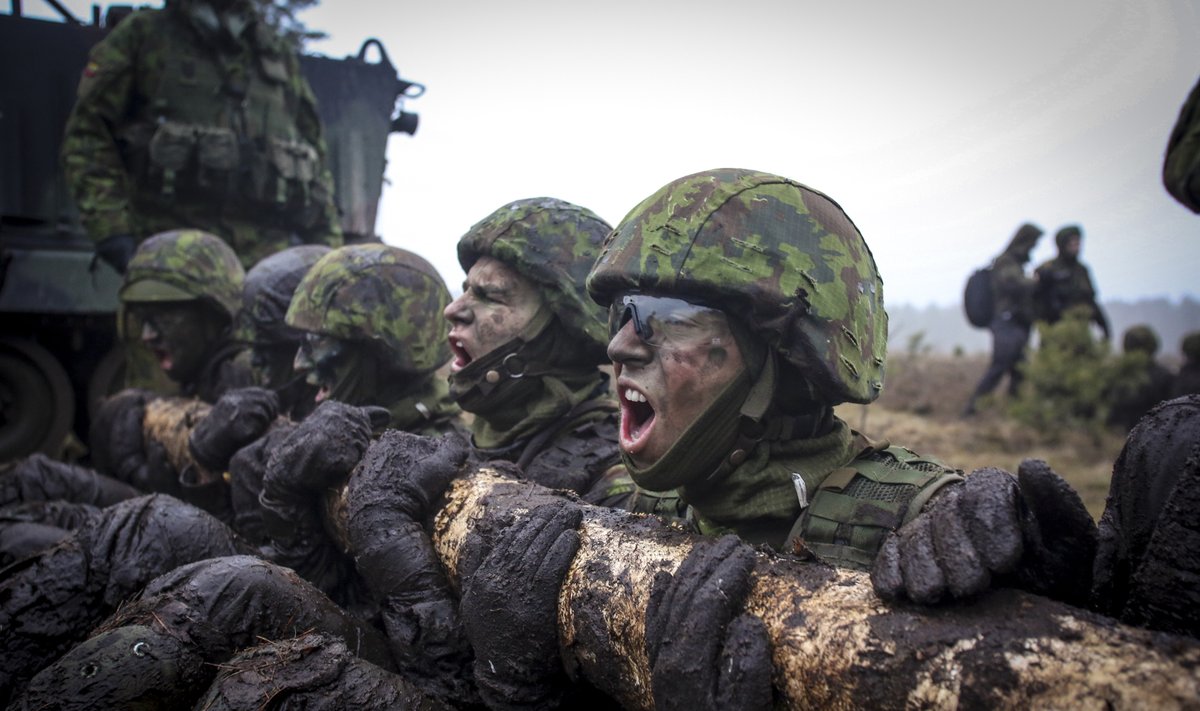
944, 329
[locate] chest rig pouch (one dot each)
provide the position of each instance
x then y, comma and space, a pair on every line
222, 129
856, 506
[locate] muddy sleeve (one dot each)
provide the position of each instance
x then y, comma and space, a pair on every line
40, 478
311, 671
51, 601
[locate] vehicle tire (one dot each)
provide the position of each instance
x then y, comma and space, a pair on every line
37, 405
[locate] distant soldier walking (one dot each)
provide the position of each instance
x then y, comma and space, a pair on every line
1012, 294
1064, 283
197, 116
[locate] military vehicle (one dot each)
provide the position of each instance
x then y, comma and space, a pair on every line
59, 354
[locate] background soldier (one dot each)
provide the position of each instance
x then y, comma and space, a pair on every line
1012, 294
197, 115
1140, 381
1064, 283
1187, 381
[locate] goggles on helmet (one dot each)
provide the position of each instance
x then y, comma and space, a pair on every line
663, 320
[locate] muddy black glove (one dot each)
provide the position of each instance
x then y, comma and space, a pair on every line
117, 250
237, 418
116, 432
321, 451
705, 652
510, 609
1031, 532
388, 499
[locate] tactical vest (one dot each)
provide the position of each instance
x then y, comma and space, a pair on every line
856, 506
221, 129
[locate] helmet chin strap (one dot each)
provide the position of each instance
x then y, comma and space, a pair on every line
503, 364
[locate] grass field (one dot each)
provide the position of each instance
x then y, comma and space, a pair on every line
920, 409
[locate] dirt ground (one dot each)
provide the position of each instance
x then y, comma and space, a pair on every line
920, 409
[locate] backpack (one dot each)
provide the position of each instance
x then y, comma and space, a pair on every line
977, 298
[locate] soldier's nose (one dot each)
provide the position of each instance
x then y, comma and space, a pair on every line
457, 311
149, 333
626, 347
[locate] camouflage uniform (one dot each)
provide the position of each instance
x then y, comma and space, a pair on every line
560, 426
1064, 283
193, 117
788, 264
1141, 383
1012, 294
191, 266
1181, 166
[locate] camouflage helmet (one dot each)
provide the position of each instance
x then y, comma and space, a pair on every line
779, 257
1140, 338
268, 291
185, 265
375, 292
552, 243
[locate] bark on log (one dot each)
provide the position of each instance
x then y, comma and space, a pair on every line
835, 644
169, 421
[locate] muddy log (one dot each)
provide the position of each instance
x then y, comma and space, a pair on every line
835, 644
169, 421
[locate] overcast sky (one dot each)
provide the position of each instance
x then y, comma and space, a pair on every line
939, 125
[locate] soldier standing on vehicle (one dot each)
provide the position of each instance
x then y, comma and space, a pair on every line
1012, 294
1064, 283
197, 116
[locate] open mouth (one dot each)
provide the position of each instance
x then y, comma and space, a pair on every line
323, 393
461, 357
637, 419
165, 361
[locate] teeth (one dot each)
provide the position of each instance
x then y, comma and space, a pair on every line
634, 396
459, 344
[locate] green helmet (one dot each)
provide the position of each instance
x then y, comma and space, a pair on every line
185, 265
374, 292
777, 256
553, 243
1140, 338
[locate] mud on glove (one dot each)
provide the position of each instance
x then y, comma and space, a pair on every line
705, 652
1031, 531
236, 419
510, 609
321, 451
389, 497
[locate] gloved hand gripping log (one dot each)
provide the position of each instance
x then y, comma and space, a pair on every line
832, 639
